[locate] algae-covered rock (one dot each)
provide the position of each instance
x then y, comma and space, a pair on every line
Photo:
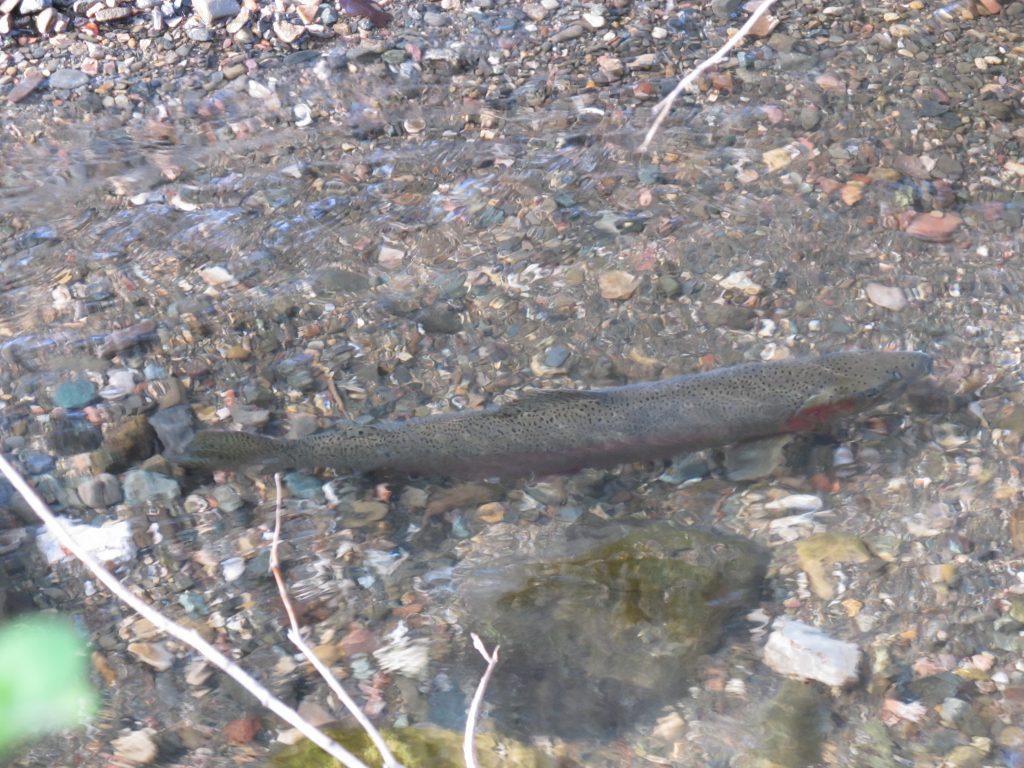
127, 444
792, 729
819, 553
592, 641
418, 747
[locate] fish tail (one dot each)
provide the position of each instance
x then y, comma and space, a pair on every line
219, 448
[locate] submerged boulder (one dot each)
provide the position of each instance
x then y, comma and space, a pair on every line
592, 641
417, 747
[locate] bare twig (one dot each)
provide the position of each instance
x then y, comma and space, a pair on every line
663, 107
468, 741
295, 635
332, 387
161, 622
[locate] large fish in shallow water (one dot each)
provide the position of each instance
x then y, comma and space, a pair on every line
558, 431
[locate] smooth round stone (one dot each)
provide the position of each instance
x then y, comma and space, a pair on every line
174, 427
556, 357
141, 486
71, 436
227, 498
232, 568
120, 383
153, 371
100, 492
303, 486
37, 463
74, 394
67, 79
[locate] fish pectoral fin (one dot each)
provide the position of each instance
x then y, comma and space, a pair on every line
819, 400
535, 399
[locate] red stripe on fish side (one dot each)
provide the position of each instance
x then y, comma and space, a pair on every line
819, 415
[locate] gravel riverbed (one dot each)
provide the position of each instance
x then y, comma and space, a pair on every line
274, 215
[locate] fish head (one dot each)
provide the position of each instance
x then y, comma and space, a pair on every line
859, 381
877, 376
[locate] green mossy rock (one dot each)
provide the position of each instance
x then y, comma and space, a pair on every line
417, 747
591, 642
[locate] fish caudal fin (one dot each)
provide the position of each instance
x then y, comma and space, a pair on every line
217, 448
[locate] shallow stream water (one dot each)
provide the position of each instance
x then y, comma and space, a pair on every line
405, 254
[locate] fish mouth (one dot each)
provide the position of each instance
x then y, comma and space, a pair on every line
914, 365
926, 362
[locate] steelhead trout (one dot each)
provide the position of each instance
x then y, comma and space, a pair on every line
563, 430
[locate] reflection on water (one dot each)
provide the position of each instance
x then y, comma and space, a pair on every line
408, 256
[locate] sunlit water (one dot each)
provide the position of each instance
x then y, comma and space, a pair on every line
470, 242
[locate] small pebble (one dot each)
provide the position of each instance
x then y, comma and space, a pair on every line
37, 463
232, 568
155, 655
74, 394
100, 492
173, 427
210, 10
68, 79
136, 748
934, 227
142, 486
617, 285
886, 296
228, 499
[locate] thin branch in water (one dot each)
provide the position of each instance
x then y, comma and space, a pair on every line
663, 107
468, 741
175, 630
295, 635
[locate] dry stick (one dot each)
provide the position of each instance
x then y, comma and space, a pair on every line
663, 107
161, 622
468, 741
332, 387
296, 637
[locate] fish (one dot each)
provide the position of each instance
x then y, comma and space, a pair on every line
560, 431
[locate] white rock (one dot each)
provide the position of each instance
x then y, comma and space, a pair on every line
46, 20
886, 296
197, 672
740, 281
287, 32
403, 655
154, 654
535, 11
136, 748
803, 502
390, 257
216, 274
258, 90
208, 10
120, 383
109, 543
232, 568
803, 651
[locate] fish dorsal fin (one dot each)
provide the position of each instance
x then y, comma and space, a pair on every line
539, 399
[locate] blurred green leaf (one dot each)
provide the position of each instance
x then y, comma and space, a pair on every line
44, 678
